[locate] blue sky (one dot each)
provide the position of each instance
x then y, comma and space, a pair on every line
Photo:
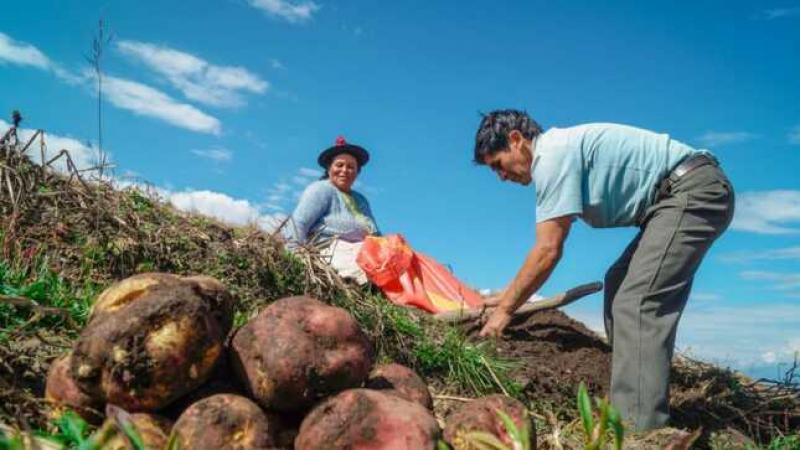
224, 105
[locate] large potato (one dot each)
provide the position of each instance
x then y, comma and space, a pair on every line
299, 350
63, 393
225, 422
146, 353
363, 419
120, 294
400, 380
482, 415
123, 292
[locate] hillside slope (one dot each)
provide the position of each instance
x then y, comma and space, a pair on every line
65, 238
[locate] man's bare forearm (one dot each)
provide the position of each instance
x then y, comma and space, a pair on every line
538, 266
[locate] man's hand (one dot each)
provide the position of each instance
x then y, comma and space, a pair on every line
497, 322
491, 301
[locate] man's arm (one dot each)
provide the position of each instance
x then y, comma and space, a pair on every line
539, 264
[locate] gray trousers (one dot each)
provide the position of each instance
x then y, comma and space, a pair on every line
647, 287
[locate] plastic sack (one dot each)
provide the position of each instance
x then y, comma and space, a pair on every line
411, 278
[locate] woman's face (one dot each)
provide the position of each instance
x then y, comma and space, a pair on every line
343, 171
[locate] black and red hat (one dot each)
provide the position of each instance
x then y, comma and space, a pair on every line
342, 146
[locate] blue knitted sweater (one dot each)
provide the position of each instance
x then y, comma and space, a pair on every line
325, 212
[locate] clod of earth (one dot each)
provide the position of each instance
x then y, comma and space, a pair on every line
299, 350
147, 346
368, 420
400, 380
225, 422
482, 415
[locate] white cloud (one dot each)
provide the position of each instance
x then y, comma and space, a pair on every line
786, 253
721, 138
147, 101
768, 212
300, 180
292, 12
195, 77
307, 172
272, 222
223, 208
794, 135
724, 332
214, 204
705, 297
217, 154
282, 187
277, 64
22, 53
125, 94
82, 155
743, 334
780, 281
777, 13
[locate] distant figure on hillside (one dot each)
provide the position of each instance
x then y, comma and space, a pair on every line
612, 176
333, 216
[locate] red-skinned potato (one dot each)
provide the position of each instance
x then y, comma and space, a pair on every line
63, 393
226, 422
365, 419
400, 380
299, 350
482, 415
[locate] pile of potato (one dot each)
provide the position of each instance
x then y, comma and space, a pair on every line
301, 374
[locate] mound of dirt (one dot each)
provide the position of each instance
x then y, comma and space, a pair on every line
554, 354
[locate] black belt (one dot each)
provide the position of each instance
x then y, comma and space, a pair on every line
687, 165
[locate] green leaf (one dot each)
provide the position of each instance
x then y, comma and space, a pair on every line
520, 436
73, 428
510, 426
585, 409
133, 435
172, 443
615, 421
12, 443
441, 445
484, 441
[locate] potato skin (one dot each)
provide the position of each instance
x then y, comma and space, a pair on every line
122, 293
299, 350
226, 422
481, 415
400, 380
154, 431
63, 393
150, 351
363, 419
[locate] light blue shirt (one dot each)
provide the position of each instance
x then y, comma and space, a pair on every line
607, 174
322, 213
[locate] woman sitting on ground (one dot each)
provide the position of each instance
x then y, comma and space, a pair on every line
333, 216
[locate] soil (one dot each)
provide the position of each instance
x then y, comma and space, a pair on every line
553, 355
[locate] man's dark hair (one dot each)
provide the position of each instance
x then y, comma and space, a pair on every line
492, 135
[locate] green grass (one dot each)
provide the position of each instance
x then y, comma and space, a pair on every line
43, 287
434, 348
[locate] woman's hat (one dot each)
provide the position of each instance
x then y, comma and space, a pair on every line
341, 146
